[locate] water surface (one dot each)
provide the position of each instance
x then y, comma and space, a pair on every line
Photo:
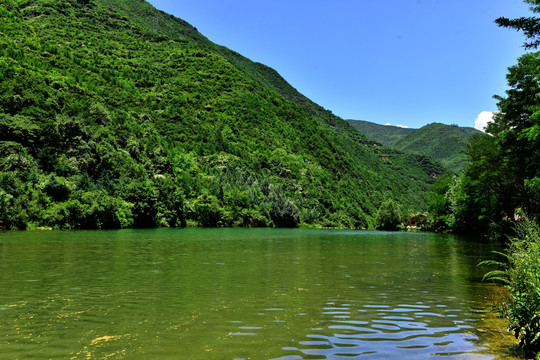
240, 294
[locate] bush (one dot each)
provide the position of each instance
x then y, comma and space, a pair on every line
521, 275
523, 307
57, 188
144, 198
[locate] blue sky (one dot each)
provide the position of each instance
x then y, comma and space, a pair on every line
406, 62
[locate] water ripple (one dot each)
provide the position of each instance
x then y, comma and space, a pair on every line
396, 333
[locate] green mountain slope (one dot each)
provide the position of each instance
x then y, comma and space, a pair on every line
443, 143
172, 27
386, 135
105, 123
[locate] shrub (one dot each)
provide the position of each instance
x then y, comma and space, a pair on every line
523, 310
57, 188
521, 276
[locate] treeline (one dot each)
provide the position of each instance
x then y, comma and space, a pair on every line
501, 182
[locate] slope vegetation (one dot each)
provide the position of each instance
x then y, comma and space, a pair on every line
106, 123
443, 143
386, 135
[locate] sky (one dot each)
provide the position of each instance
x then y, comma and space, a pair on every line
398, 62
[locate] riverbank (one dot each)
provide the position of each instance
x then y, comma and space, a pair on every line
498, 340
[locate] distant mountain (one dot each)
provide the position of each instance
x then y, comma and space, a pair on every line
443, 143
385, 134
115, 114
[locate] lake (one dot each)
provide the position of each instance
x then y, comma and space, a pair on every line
283, 294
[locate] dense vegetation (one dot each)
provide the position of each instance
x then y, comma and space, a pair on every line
388, 216
501, 182
385, 134
521, 275
443, 143
107, 122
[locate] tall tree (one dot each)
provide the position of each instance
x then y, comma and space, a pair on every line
517, 125
503, 172
529, 25
516, 129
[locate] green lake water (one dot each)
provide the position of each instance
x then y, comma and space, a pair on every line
240, 294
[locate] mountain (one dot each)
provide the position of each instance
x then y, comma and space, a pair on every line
114, 114
443, 143
385, 134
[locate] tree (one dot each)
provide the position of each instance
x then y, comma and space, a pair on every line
529, 25
486, 193
440, 203
388, 216
516, 129
283, 212
502, 175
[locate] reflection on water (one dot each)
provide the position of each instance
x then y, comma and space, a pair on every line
240, 294
406, 331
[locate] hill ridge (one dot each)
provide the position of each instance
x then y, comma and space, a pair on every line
441, 142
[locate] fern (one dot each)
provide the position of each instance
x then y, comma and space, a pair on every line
500, 274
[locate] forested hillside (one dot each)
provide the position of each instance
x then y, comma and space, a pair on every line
109, 122
443, 143
385, 134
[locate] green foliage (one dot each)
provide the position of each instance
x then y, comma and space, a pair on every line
106, 124
207, 211
529, 25
484, 195
283, 211
12, 214
521, 276
441, 204
443, 143
91, 210
388, 216
524, 286
386, 135
532, 193
500, 180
